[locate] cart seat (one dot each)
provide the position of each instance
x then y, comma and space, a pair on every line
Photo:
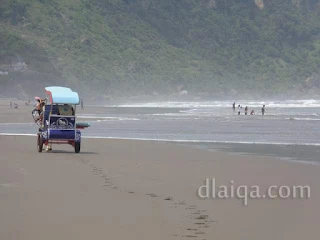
47, 110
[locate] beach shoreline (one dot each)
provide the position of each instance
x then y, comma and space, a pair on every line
12, 120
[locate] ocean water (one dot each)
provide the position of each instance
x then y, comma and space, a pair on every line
289, 129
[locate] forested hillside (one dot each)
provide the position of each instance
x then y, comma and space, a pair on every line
132, 47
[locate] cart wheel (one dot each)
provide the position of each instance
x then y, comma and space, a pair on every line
77, 147
40, 143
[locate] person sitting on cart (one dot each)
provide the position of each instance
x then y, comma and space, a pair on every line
65, 110
39, 105
39, 108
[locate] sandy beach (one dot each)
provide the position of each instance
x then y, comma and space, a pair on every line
124, 189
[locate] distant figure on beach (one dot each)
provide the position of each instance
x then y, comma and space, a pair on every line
27, 103
15, 105
239, 109
246, 110
263, 109
81, 103
10, 104
234, 106
252, 112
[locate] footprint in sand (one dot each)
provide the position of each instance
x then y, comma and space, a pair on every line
98, 171
152, 195
202, 217
190, 207
192, 229
189, 236
200, 223
202, 220
168, 199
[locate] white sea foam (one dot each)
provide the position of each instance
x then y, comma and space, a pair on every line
303, 119
17, 134
107, 118
179, 140
309, 103
205, 141
16, 124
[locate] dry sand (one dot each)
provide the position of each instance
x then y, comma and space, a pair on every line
116, 189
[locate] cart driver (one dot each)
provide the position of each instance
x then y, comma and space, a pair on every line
39, 108
66, 110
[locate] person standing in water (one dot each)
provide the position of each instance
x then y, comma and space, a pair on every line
81, 103
263, 109
239, 109
234, 106
246, 110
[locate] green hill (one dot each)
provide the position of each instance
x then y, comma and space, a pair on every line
121, 47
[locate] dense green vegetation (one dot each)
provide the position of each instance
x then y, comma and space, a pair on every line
141, 46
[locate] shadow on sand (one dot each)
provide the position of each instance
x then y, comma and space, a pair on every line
69, 152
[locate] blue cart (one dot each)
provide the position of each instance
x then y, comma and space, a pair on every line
57, 120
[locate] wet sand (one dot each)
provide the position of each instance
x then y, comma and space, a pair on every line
122, 189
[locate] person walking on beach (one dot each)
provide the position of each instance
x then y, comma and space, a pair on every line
234, 106
81, 103
263, 109
239, 109
252, 112
246, 110
15, 105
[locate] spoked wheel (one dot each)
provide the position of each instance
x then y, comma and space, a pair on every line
77, 147
40, 143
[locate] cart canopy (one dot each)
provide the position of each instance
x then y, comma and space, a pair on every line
62, 95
